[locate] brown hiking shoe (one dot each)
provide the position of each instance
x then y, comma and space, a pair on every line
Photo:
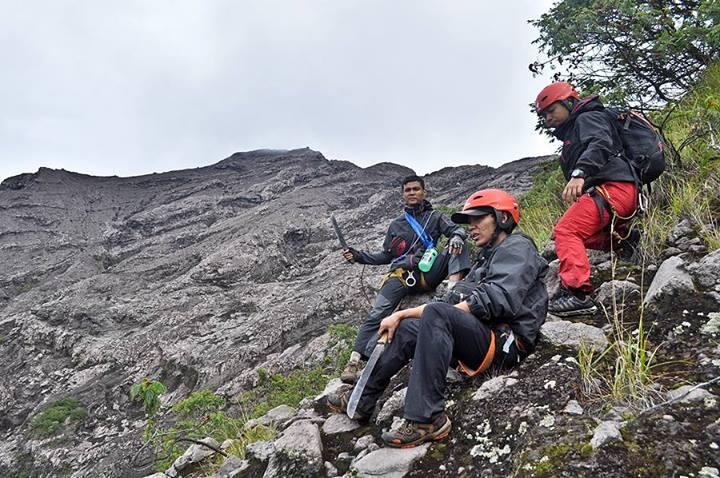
351, 373
412, 434
337, 402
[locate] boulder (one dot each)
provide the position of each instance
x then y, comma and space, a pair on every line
605, 432
712, 326
339, 423
563, 333
194, 454
494, 386
573, 408
707, 271
626, 292
552, 279
298, 452
388, 462
671, 280
233, 467
277, 416
392, 406
363, 442
697, 395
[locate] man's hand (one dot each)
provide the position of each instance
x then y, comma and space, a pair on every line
350, 255
389, 324
456, 245
573, 190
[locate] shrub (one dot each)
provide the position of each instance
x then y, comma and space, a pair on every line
148, 392
50, 421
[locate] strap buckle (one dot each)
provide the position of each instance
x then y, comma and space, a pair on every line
410, 279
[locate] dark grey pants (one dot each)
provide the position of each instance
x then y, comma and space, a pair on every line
442, 334
393, 291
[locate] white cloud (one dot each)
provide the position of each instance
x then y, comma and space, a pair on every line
134, 87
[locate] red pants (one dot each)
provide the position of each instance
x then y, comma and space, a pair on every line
583, 227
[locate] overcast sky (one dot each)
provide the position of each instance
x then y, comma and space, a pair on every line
134, 87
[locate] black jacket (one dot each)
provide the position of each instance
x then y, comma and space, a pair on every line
401, 239
509, 288
591, 143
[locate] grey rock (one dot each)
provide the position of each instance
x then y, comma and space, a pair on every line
552, 279
334, 386
276, 416
363, 442
232, 467
707, 271
697, 395
670, 280
453, 376
605, 432
625, 292
302, 437
563, 333
392, 406
712, 326
490, 388
194, 454
260, 451
339, 423
388, 462
330, 470
573, 408
157, 475
298, 452
683, 230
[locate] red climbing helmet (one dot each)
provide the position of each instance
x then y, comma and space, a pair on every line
559, 91
487, 201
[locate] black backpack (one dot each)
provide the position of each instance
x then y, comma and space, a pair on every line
643, 145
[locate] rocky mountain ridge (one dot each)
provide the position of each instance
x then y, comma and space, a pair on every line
193, 277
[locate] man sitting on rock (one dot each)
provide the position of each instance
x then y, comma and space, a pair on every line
408, 238
492, 317
600, 185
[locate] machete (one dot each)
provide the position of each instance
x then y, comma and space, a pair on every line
360, 386
338, 233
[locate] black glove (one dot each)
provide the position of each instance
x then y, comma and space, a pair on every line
351, 255
456, 244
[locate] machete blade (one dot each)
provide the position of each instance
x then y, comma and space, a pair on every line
360, 385
338, 233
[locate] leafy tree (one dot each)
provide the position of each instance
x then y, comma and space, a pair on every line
643, 53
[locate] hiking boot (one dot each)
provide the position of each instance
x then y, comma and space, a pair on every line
412, 434
568, 304
630, 246
351, 373
337, 402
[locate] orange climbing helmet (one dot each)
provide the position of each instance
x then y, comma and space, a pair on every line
559, 91
489, 201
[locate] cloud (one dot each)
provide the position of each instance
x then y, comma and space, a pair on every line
135, 87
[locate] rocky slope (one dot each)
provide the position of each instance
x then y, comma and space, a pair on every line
193, 277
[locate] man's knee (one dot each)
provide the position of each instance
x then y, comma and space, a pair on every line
437, 311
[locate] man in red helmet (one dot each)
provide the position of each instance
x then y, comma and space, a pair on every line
492, 317
600, 185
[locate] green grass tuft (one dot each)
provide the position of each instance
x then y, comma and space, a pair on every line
51, 420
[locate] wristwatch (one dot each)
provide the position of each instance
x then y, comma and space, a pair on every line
578, 173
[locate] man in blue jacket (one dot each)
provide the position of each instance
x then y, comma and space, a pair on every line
404, 246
